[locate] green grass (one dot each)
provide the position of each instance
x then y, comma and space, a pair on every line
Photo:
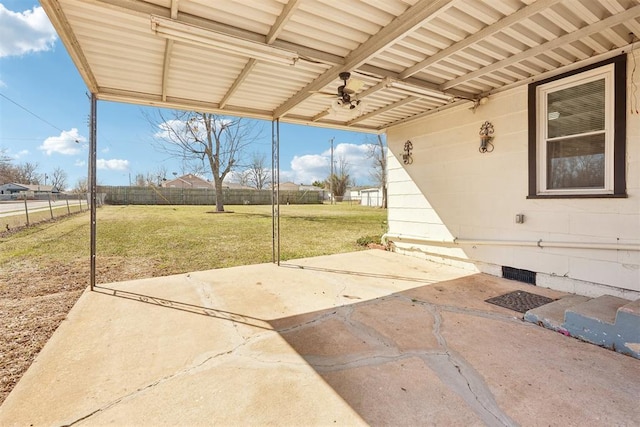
44, 268
178, 239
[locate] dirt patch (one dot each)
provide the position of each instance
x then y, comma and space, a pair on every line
35, 298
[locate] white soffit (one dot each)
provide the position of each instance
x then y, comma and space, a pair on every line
280, 59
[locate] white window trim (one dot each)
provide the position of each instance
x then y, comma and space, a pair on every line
606, 72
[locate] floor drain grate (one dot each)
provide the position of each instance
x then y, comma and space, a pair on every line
520, 301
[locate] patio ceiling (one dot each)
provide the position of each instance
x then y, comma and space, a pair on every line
280, 59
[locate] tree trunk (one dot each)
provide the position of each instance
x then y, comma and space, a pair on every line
384, 196
219, 201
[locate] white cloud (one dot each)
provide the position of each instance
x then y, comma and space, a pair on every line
25, 32
113, 164
317, 167
80, 163
308, 168
14, 156
105, 150
67, 143
167, 128
19, 154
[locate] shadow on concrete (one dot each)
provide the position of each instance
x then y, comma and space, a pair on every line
441, 355
387, 357
183, 306
358, 273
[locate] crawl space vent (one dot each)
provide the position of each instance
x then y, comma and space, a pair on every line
520, 275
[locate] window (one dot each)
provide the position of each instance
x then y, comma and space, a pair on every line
577, 133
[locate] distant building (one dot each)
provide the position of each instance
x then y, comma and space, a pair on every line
289, 186
367, 196
15, 188
188, 181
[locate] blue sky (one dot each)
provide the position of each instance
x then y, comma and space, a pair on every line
37, 74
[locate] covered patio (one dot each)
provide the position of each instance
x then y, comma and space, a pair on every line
369, 337
365, 338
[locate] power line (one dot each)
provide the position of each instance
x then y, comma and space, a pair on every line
30, 112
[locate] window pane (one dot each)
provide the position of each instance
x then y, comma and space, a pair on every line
576, 110
576, 162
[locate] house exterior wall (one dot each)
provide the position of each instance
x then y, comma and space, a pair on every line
451, 190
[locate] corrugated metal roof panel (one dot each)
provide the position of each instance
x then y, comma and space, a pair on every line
462, 49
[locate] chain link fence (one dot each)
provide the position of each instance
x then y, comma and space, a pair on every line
25, 209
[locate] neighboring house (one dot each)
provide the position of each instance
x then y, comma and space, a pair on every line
367, 196
292, 186
289, 186
236, 186
353, 193
309, 188
371, 197
188, 181
14, 188
193, 181
558, 195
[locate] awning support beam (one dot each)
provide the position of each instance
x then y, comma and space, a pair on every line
275, 191
92, 185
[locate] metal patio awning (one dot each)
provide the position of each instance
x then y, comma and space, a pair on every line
281, 59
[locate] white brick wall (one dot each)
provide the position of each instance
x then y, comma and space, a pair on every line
451, 190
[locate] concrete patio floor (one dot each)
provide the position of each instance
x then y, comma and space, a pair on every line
362, 338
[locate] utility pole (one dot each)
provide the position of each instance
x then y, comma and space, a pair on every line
331, 176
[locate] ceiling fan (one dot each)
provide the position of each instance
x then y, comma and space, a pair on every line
345, 100
346, 92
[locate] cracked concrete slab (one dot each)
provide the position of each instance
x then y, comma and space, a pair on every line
364, 338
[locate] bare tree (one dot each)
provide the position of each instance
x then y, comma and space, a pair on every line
240, 177
59, 179
81, 187
8, 172
141, 180
27, 173
258, 175
160, 174
377, 152
217, 140
340, 179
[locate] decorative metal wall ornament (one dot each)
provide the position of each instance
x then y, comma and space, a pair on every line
406, 156
486, 136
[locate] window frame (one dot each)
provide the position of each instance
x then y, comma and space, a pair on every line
614, 69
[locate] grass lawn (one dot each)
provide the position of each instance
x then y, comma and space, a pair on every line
45, 268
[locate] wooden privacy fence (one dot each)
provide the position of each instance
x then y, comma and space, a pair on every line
124, 195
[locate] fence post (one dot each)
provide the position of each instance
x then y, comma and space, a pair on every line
68, 210
26, 209
50, 209
80, 201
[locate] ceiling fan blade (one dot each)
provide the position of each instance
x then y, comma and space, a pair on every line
320, 93
353, 85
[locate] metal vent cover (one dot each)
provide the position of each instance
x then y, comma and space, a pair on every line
520, 301
520, 275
